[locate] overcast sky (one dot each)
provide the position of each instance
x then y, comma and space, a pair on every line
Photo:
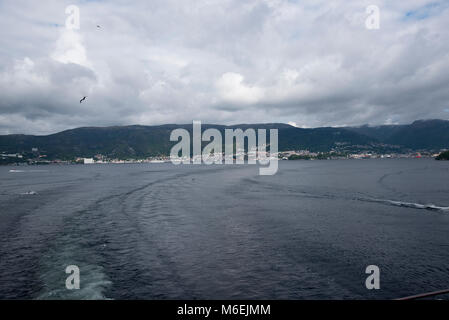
310, 63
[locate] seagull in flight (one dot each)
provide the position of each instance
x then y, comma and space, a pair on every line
84, 98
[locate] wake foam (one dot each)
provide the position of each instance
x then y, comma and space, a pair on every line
22, 171
414, 205
29, 193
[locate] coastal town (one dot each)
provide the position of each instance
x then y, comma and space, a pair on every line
37, 158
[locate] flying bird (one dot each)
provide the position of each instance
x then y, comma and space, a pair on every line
84, 98
98, 26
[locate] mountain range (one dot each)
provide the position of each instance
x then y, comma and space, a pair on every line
137, 141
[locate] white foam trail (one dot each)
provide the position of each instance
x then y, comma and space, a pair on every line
21, 171
29, 193
93, 290
414, 205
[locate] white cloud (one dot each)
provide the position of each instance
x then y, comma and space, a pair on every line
231, 88
70, 48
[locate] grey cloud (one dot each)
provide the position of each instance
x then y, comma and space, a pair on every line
310, 62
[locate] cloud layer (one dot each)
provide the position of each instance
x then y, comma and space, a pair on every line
311, 63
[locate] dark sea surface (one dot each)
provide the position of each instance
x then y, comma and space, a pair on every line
159, 231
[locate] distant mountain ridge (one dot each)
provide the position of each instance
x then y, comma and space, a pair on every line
421, 134
138, 141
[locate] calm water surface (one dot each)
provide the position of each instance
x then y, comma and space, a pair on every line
158, 231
